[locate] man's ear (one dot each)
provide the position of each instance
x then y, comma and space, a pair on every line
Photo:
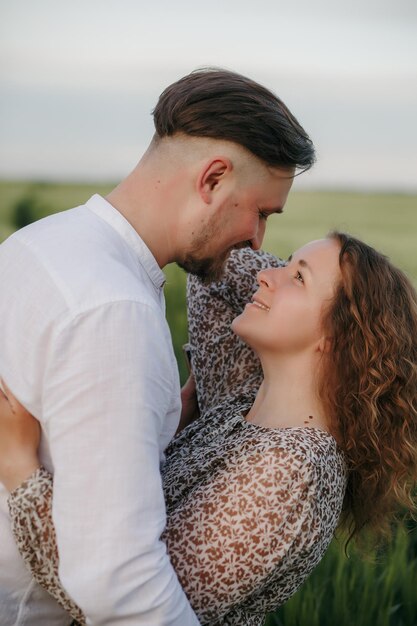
211, 176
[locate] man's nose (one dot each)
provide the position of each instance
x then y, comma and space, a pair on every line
259, 237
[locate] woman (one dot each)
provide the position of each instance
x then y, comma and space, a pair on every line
320, 431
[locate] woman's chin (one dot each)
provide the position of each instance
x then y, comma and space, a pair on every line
236, 326
240, 329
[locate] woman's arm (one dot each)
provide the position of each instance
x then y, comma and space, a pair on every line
223, 365
30, 507
224, 540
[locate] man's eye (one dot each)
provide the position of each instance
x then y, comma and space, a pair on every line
299, 276
263, 215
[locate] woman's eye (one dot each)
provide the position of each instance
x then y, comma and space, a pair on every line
299, 276
263, 215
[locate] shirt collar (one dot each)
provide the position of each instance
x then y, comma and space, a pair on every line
115, 219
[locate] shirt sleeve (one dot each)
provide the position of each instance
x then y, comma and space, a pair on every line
107, 391
224, 540
223, 364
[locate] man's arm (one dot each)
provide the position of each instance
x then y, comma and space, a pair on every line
107, 389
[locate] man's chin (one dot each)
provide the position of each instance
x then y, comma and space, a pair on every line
206, 275
210, 269
207, 270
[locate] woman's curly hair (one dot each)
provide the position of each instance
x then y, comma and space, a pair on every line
369, 385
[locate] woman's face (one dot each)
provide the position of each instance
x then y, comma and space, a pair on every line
285, 315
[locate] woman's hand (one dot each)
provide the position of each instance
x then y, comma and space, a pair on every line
19, 441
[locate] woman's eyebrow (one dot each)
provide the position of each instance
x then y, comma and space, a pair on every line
301, 262
304, 264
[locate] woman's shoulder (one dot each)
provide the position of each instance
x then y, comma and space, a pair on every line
302, 455
309, 446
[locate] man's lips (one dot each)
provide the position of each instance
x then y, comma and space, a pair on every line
242, 244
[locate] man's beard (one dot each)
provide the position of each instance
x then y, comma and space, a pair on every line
208, 269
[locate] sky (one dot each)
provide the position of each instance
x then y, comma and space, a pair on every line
79, 79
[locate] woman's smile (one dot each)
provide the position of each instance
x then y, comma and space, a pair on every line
259, 304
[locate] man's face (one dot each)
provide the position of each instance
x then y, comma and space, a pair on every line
239, 222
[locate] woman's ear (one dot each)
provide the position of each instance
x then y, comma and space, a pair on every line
325, 344
211, 176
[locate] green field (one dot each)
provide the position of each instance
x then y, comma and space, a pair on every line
341, 591
388, 222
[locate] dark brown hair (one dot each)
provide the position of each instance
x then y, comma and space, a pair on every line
369, 384
224, 105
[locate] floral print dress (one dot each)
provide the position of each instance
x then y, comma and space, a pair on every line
250, 510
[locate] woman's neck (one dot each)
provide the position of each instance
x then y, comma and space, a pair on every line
287, 396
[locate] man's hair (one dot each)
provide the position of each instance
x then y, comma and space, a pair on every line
221, 104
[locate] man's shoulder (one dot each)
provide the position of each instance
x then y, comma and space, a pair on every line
54, 233
78, 258
77, 222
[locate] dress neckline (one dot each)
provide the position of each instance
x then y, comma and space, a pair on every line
243, 408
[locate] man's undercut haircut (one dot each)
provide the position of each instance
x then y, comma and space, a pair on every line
220, 104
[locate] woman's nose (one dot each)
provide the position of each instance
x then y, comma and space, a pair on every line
264, 278
270, 278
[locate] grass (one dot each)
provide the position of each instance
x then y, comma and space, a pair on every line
358, 591
341, 591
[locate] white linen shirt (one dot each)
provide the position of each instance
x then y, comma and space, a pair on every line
85, 347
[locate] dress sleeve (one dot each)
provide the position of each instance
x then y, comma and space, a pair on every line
233, 532
30, 507
223, 365
225, 539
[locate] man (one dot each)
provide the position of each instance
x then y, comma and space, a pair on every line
86, 348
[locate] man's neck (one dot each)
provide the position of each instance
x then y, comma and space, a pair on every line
141, 199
